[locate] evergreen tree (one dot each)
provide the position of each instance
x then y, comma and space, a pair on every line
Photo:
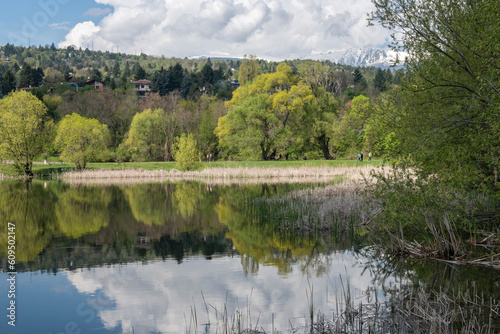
357, 76
126, 72
379, 80
207, 75
388, 76
185, 86
160, 82
26, 76
9, 82
116, 70
175, 75
96, 74
9, 50
139, 73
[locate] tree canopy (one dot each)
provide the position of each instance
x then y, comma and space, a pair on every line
82, 140
451, 95
25, 129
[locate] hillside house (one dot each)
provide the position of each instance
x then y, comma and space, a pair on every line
142, 86
98, 85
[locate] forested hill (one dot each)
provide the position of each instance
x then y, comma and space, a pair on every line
49, 65
235, 109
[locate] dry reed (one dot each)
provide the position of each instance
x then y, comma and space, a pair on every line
223, 175
337, 207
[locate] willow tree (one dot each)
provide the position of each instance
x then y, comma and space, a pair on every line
82, 140
25, 129
146, 139
263, 115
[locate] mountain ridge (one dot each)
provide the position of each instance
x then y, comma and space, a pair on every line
362, 57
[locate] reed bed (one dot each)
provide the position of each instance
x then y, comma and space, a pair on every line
224, 175
332, 208
406, 309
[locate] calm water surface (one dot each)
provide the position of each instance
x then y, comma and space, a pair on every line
173, 258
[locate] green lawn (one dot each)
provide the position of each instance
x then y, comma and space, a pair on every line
40, 169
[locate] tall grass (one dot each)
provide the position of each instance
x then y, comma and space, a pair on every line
224, 175
406, 309
328, 209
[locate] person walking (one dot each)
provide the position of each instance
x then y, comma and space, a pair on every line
370, 156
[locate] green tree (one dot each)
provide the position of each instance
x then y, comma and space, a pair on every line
249, 130
160, 82
318, 125
175, 76
357, 76
212, 111
379, 82
139, 72
249, 69
448, 122
25, 129
30, 77
116, 70
82, 140
349, 133
260, 114
146, 139
9, 82
186, 153
206, 75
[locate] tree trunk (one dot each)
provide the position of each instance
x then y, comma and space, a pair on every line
273, 155
323, 145
28, 168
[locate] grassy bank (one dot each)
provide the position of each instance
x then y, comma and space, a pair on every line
291, 171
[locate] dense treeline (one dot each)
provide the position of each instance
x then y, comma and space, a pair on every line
294, 109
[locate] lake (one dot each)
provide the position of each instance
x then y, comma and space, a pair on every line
191, 257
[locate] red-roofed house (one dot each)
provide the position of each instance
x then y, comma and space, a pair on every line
142, 86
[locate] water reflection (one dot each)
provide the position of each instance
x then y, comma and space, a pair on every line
146, 257
62, 226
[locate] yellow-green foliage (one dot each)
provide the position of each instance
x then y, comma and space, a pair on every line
265, 115
24, 129
83, 210
146, 139
186, 153
148, 203
82, 140
187, 198
30, 209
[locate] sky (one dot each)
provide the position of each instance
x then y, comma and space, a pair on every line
273, 29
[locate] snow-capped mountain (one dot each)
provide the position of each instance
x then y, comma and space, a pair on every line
361, 57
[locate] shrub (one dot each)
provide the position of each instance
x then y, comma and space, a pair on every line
186, 153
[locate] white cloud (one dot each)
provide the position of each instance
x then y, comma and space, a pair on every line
163, 293
97, 11
267, 28
60, 25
